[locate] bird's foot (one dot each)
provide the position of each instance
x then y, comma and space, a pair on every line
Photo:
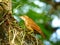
30, 32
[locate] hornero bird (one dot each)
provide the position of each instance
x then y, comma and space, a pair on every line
31, 25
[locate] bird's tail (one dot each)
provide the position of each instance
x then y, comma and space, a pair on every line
42, 34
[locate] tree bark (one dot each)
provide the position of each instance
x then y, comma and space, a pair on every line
5, 19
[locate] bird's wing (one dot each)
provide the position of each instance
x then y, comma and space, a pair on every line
36, 27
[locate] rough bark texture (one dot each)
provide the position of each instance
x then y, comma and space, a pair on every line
5, 19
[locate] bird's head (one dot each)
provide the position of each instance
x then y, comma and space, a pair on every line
24, 17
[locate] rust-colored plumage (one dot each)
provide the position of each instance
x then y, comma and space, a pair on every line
31, 25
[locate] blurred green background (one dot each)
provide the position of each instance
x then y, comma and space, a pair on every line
46, 13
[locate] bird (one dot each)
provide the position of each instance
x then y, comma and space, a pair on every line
31, 25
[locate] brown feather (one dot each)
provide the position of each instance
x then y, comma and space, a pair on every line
30, 23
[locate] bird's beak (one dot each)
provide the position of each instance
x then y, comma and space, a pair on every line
22, 17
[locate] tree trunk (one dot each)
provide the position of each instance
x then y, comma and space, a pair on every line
5, 19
